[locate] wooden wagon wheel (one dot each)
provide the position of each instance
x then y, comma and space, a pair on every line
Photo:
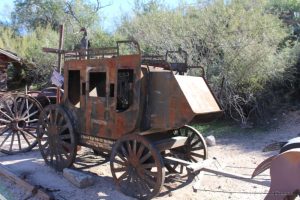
194, 150
137, 167
40, 97
18, 123
56, 138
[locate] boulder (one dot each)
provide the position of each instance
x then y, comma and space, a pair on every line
78, 178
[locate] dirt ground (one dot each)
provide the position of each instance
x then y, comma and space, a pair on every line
239, 153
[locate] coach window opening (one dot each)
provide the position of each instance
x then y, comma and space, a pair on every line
124, 89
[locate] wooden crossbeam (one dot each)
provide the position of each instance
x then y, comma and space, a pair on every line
170, 143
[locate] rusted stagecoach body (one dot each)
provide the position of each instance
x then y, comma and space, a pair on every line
137, 113
116, 96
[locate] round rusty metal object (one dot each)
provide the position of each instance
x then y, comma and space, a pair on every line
18, 123
56, 138
137, 167
194, 150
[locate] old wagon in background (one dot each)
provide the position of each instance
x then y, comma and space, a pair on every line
19, 108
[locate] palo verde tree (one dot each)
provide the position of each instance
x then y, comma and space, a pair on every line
237, 42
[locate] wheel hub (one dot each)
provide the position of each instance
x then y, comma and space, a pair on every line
17, 124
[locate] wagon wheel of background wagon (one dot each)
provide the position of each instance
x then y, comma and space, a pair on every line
56, 138
18, 123
194, 150
40, 97
137, 167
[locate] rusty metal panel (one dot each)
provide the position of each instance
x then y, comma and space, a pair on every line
285, 175
198, 95
168, 106
177, 100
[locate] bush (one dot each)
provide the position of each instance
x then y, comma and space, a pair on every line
238, 43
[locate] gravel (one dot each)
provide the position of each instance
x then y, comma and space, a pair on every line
236, 153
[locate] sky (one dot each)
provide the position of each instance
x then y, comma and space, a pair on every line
111, 14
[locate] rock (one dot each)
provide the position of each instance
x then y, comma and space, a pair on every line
78, 178
210, 140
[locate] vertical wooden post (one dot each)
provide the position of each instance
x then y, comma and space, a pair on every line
60, 47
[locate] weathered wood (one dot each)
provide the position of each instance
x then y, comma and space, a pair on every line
52, 50
4, 171
234, 176
177, 160
170, 143
200, 165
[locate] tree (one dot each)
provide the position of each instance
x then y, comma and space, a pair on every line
289, 12
237, 42
30, 14
37, 65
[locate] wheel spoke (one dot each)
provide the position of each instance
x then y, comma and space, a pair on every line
45, 144
197, 148
60, 121
181, 169
194, 143
121, 169
140, 151
122, 157
146, 189
145, 157
9, 134
30, 115
26, 112
29, 133
134, 147
190, 139
65, 137
33, 120
21, 108
66, 145
148, 166
149, 173
5, 121
63, 128
129, 150
6, 115
12, 141
124, 151
123, 176
8, 108
15, 106
120, 162
55, 117
197, 155
23, 135
4, 131
149, 181
19, 141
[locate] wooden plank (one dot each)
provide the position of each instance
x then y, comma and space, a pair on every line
170, 143
200, 165
20, 182
177, 160
52, 50
235, 176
